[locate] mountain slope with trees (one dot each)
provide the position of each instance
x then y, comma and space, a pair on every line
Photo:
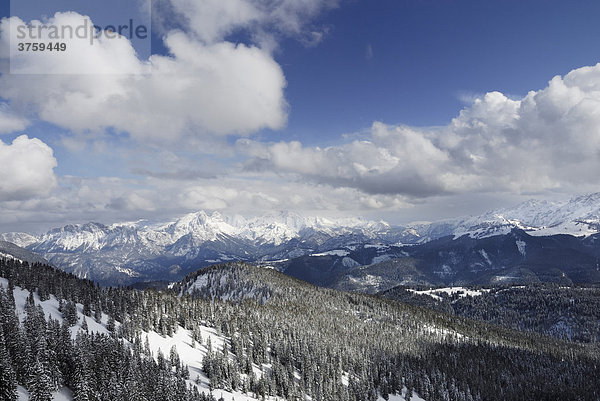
270, 335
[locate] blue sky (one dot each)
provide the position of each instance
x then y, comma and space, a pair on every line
401, 110
426, 55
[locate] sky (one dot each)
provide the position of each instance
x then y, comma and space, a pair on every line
401, 110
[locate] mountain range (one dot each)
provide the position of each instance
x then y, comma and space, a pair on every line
125, 253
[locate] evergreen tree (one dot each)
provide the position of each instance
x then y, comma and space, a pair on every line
81, 379
97, 313
40, 384
110, 325
70, 313
8, 378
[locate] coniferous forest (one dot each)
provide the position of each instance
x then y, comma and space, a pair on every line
282, 338
567, 312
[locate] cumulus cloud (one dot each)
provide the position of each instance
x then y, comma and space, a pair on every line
27, 169
549, 139
373, 166
83, 53
198, 90
206, 86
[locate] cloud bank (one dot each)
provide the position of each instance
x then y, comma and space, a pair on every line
549, 139
208, 88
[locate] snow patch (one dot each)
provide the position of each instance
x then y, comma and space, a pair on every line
7, 256
334, 252
521, 246
349, 262
381, 258
401, 397
127, 271
483, 253
461, 291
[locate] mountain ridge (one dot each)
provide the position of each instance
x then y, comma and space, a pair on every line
122, 253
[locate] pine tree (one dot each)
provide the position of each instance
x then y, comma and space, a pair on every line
70, 313
110, 325
81, 387
97, 313
8, 378
87, 310
40, 384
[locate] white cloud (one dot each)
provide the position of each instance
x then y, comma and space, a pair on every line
200, 90
27, 169
550, 139
83, 53
10, 122
108, 200
213, 20
208, 88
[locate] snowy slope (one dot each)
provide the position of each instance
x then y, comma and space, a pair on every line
191, 353
182, 340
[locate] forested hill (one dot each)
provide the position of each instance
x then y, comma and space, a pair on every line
12, 251
251, 333
568, 312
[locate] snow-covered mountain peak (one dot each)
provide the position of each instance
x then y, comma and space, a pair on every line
578, 216
201, 226
20, 239
201, 238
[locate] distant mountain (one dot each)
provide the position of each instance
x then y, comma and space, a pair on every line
20, 239
125, 253
513, 258
12, 251
578, 216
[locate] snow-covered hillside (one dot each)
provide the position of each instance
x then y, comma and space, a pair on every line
190, 353
192, 347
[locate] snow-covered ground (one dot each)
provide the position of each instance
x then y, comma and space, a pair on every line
461, 291
7, 256
400, 397
63, 394
182, 340
334, 252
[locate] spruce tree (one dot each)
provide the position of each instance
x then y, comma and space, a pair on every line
40, 384
8, 378
70, 313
